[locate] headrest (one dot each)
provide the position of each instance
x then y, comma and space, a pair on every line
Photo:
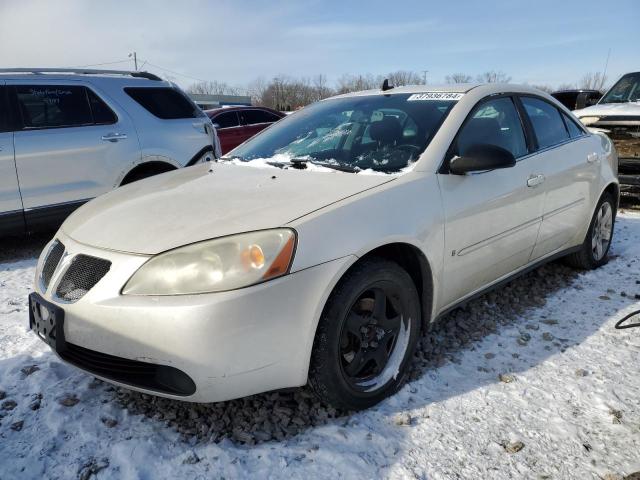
386, 131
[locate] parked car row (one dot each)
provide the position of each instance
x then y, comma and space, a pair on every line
67, 136
319, 250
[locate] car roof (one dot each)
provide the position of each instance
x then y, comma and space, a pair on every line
232, 108
480, 88
577, 90
93, 76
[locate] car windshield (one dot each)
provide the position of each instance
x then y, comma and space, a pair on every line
379, 132
627, 89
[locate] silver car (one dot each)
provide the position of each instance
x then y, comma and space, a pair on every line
67, 136
320, 249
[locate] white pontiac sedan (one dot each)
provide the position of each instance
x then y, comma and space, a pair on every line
320, 249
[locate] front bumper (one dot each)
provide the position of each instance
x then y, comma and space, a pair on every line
231, 344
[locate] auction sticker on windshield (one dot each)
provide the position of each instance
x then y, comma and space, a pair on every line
435, 96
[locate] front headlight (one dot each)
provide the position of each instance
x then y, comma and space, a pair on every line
216, 265
586, 121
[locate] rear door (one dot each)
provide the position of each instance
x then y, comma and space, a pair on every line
566, 166
11, 216
255, 120
70, 146
230, 132
170, 126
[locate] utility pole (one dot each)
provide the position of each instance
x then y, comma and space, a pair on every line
424, 72
135, 60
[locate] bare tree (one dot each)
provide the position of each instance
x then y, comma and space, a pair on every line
213, 88
458, 78
256, 90
404, 77
493, 77
354, 83
567, 86
593, 81
544, 88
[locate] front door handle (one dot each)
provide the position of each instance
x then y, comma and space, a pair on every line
114, 137
535, 180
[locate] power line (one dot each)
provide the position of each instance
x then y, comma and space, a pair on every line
100, 64
174, 72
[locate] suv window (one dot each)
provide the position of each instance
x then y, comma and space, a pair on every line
547, 122
574, 130
53, 106
4, 111
164, 102
251, 117
227, 120
102, 114
494, 122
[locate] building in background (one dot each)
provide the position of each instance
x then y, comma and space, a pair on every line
207, 102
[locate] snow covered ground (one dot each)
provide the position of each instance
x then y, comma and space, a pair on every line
553, 392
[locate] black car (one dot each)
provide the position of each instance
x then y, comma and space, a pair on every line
576, 99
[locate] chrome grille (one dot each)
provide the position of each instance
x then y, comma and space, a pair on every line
81, 276
51, 263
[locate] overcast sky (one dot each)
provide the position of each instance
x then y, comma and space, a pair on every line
540, 41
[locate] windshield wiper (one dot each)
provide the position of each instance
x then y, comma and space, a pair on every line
301, 163
232, 157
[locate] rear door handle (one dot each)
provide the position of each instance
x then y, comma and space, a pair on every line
114, 137
535, 180
593, 157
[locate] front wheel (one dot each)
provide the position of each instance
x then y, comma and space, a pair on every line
366, 336
595, 250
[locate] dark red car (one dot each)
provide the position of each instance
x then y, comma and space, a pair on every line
237, 124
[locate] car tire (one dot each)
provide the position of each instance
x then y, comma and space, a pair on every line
594, 252
366, 336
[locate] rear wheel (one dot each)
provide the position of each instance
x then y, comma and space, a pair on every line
366, 336
595, 249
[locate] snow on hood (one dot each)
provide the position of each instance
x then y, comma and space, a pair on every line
628, 108
207, 201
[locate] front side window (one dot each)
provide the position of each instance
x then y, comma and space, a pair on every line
546, 121
227, 120
627, 89
53, 106
164, 102
493, 122
252, 117
380, 132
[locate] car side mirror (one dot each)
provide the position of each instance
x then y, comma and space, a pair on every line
482, 157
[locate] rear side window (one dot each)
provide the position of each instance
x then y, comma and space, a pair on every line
53, 106
250, 117
574, 130
102, 114
547, 122
494, 122
227, 120
4, 110
165, 103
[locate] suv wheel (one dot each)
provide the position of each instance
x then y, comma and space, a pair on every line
366, 336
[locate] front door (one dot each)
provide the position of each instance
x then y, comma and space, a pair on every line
70, 148
11, 217
491, 218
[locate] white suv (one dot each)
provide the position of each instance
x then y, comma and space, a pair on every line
67, 136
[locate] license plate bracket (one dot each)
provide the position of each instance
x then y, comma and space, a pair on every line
47, 321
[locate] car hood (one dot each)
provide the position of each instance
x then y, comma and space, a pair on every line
204, 202
629, 108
